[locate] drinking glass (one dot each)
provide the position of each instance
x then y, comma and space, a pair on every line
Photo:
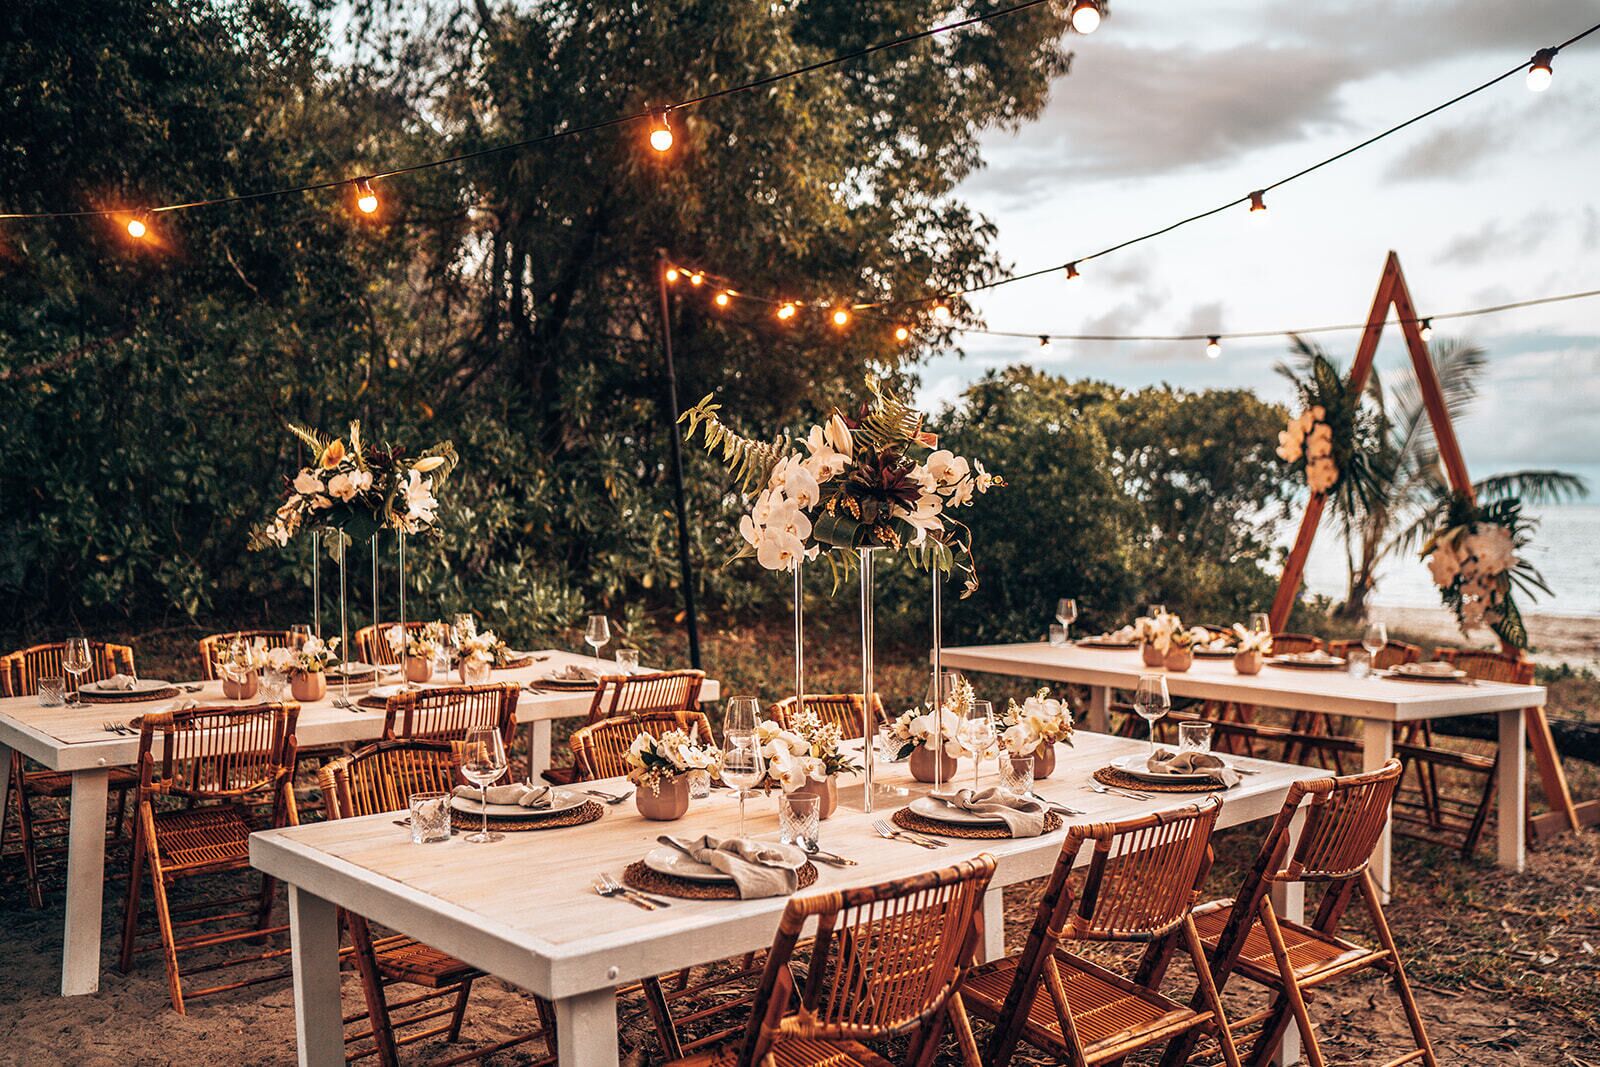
886, 742
1066, 612
52, 692
742, 765
1155, 610
430, 817
1261, 622
76, 662
798, 818
1358, 662
741, 715
1374, 639
1016, 775
484, 760
628, 658
273, 684
978, 734
1194, 737
597, 633
299, 634
1058, 635
1152, 701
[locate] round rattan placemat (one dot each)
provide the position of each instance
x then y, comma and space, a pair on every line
516, 663
638, 876
576, 817
92, 697
907, 819
1123, 780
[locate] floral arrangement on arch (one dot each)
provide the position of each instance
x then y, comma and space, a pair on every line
1335, 441
806, 750
1037, 722
878, 480
424, 642
1474, 557
654, 760
358, 489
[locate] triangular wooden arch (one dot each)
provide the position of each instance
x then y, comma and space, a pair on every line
1393, 292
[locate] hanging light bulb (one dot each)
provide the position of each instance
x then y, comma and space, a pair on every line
1427, 330
1213, 346
840, 317
1072, 270
941, 313
660, 131
366, 199
785, 312
722, 298
672, 275
136, 226
1258, 204
1086, 16
1045, 347
696, 278
901, 333
1540, 71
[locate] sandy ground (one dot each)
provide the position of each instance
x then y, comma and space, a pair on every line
1556, 639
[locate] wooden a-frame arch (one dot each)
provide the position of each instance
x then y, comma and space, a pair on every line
1393, 292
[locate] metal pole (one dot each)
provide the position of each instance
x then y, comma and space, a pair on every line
344, 626
866, 555
375, 624
800, 640
685, 568
938, 691
316, 583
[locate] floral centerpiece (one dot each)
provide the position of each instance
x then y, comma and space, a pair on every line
662, 764
1474, 557
805, 758
417, 648
239, 666
479, 650
912, 734
1252, 649
306, 666
1033, 728
1335, 441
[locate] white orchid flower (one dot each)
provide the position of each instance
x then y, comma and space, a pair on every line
837, 434
307, 483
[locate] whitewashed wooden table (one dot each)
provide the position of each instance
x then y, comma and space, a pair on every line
524, 908
75, 740
1379, 703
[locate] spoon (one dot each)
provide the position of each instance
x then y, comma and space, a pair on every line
1099, 788
833, 859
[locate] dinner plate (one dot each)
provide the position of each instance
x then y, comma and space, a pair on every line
141, 685
1215, 653
560, 801
939, 811
668, 860
1114, 646
1333, 663
1135, 765
1418, 676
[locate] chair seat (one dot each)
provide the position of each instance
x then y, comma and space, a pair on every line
59, 783
203, 837
1103, 1010
408, 960
1312, 953
795, 1052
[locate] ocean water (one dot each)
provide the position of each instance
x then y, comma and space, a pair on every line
1565, 549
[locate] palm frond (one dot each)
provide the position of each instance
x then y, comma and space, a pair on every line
312, 439
750, 461
1533, 487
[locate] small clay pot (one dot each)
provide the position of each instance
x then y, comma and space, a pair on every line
1179, 659
1248, 662
671, 802
418, 668
1153, 656
1044, 761
473, 671
922, 765
826, 792
241, 688
308, 686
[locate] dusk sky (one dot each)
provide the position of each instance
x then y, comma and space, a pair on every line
1172, 108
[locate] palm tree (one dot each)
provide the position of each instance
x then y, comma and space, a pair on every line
1412, 493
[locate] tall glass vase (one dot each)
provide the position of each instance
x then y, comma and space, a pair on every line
405, 635
316, 584
867, 642
344, 623
938, 694
800, 638
375, 618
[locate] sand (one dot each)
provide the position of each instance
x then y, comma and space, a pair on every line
1556, 639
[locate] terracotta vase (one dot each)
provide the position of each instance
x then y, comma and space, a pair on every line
922, 765
1248, 662
308, 686
1153, 656
1179, 659
1044, 761
670, 803
418, 668
473, 671
241, 688
826, 792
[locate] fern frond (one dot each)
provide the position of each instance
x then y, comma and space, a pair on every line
312, 439
890, 421
750, 461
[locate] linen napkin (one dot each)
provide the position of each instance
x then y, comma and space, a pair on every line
758, 868
384, 692
124, 682
1166, 761
572, 673
518, 793
1433, 669
1023, 816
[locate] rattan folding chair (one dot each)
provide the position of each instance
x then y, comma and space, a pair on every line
887, 960
1140, 888
617, 695
840, 709
212, 644
381, 778
446, 714
41, 836
223, 761
372, 643
600, 749
1342, 824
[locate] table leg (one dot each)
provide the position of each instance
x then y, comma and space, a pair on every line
1289, 901
318, 1014
1513, 790
86, 876
1377, 746
994, 927
538, 749
5, 785
1100, 708
586, 1029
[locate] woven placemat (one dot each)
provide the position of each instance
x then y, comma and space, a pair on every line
639, 876
92, 697
563, 684
907, 819
576, 817
1123, 780
516, 663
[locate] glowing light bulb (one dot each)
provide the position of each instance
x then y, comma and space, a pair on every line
1086, 16
722, 298
1541, 71
785, 312
941, 313
901, 333
1213, 346
366, 199
1045, 347
672, 275
136, 227
840, 317
1427, 330
696, 278
1258, 204
1072, 270
660, 132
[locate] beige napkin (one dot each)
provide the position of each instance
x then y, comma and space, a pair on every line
517, 793
125, 682
1165, 761
1023, 816
1435, 669
572, 673
758, 869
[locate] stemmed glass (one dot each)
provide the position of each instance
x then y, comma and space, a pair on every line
1261, 622
1156, 610
1066, 613
742, 764
598, 634
76, 662
1151, 701
1375, 639
299, 634
977, 734
485, 761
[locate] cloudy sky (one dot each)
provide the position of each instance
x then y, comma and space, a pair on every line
1172, 108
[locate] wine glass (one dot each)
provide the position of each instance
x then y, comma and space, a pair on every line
1155, 611
76, 662
1261, 622
484, 761
597, 634
1375, 638
1066, 613
299, 634
742, 765
463, 625
978, 734
1151, 701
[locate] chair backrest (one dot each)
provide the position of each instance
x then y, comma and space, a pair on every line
600, 749
213, 644
372, 643
841, 709
218, 752
1142, 878
1289, 644
446, 714
617, 695
20, 671
1391, 655
886, 959
1489, 666
1344, 820
383, 776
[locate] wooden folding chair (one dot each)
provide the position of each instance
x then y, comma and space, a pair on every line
44, 836
447, 713
886, 960
840, 709
1343, 821
1141, 884
372, 643
618, 695
224, 761
213, 644
600, 749
381, 778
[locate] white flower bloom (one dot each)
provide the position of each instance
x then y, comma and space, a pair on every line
837, 434
420, 503
778, 550
750, 531
1288, 446
948, 468
924, 519
800, 485
342, 487
1493, 547
985, 481
1319, 447
307, 483
761, 510
825, 461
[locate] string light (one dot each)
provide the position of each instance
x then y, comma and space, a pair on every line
1427, 330
1072, 270
672, 275
1086, 16
785, 312
660, 131
366, 199
722, 298
696, 278
902, 334
1258, 204
841, 317
136, 226
941, 313
1541, 71
1045, 347
1213, 346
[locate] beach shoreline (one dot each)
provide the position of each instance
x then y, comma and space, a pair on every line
1573, 640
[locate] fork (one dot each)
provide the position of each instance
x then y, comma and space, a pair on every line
113, 727
884, 830
1097, 787
606, 887
628, 889
609, 798
344, 702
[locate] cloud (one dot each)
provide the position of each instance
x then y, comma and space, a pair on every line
1450, 152
1386, 33
1495, 238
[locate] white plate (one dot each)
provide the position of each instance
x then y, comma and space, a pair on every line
142, 685
1135, 765
668, 860
560, 801
1419, 676
1332, 663
939, 811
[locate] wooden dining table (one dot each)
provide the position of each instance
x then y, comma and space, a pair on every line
524, 908
76, 740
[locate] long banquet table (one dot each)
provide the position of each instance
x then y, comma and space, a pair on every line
1380, 703
524, 909
75, 740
